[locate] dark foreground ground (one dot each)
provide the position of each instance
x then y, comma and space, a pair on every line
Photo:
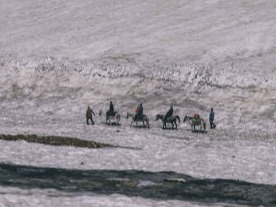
154, 185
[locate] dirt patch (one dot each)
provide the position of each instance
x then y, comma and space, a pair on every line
53, 140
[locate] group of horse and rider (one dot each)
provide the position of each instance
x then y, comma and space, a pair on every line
111, 113
139, 116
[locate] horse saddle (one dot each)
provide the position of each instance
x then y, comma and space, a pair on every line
138, 118
111, 113
170, 118
196, 116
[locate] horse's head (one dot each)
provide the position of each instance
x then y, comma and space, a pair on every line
186, 118
129, 115
100, 112
159, 116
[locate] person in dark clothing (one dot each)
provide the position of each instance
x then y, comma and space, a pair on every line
111, 109
140, 112
169, 113
211, 119
89, 113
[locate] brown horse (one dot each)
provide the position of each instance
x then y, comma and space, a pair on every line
196, 122
171, 120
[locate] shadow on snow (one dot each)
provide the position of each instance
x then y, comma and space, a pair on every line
154, 185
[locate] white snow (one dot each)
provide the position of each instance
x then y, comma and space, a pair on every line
58, 57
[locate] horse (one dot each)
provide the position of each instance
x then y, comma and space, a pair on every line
196, 122
143, 119
113, 118
171, 120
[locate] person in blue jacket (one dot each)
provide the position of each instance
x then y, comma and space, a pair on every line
212, 118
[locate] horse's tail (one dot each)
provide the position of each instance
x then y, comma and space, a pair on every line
177, 117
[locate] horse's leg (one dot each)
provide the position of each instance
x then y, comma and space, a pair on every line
172, 124
147, 121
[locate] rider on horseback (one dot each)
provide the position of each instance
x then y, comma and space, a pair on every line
139, 112
111, 111
169, 113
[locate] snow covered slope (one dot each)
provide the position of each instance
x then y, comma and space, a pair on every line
194, 54
58, 57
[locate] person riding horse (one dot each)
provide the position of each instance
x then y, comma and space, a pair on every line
111, 111
139, 112
139, 116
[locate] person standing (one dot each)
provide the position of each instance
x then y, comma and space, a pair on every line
212, 118
89, 113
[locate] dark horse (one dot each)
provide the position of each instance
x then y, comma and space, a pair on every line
171, 120
112, 118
